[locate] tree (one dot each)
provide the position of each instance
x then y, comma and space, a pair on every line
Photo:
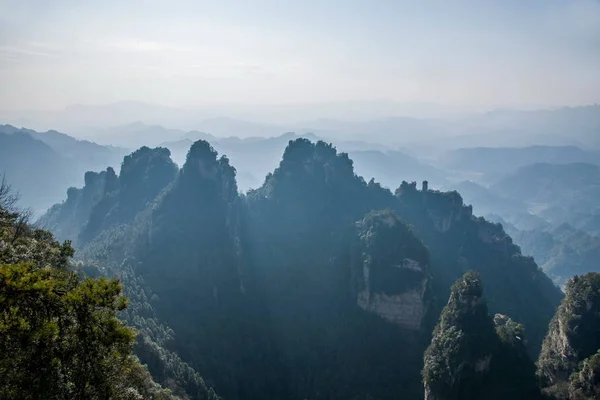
60, 337
585, 384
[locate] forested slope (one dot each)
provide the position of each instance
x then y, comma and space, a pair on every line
315, 285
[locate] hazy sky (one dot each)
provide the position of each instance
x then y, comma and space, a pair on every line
190, 52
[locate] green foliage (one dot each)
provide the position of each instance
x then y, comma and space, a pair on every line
60, 337
388, 250
468, 358
573, 335
585, 384
463, 337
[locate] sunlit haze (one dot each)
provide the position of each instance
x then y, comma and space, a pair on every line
190, 53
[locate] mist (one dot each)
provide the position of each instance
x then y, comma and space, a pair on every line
300, 200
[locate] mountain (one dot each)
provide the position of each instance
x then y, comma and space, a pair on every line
80, 117
555, 190
579, 123
387, 122
562, 251
134, 135
86, 154
107, 200
41, 175
317, 284
564, 126
254, 157
497, 161
563, 240
43, 165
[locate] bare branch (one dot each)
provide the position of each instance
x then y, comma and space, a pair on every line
8, 198
22, 223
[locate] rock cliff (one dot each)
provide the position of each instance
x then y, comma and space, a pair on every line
573, 335
394, 264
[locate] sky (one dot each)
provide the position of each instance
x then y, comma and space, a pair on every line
187, 53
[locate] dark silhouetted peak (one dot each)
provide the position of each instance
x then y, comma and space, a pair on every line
111, 182
314, 191
73, 193
302, 150
311, 171
200, 153
406, 188
107, 200
146, 162
208, 173
92, 177
144, 173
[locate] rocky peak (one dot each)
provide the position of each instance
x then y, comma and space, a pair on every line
473, 356
145, 172
203, 169
444, 209
111, 182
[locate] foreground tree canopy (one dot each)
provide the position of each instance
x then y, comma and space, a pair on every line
60, 337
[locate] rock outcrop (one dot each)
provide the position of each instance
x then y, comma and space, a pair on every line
393, 283
458, 241
473, 356
573, 335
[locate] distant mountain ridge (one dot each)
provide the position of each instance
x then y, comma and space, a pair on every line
574, 186
390, 125
503, 159
43, 165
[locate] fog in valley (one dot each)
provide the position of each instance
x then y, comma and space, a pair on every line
276, 184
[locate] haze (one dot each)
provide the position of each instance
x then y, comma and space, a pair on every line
197, 53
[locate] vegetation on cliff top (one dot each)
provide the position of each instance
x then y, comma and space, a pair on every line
60, 337
573, 337
474, 356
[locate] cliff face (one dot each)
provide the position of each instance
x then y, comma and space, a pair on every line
459, 241
573, 335
391, 270
144, 173
107, 200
